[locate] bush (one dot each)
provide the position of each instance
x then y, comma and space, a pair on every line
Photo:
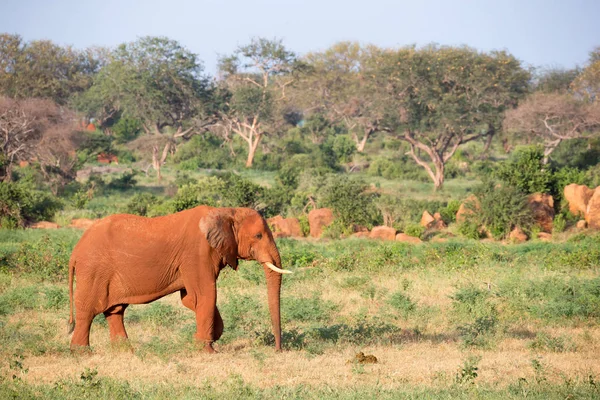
448, 213
46, 259
207, 191
20, 204
350, 201
140, 204
476, 315
402, 303
525, 171
502, 207
415, 230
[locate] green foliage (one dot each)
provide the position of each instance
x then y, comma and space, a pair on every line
141, 203
525, 171
501, 208
203, 151
478, 316
448, 213
306, 309
468, 371
46, 259
403, 212
415, 230
402, 303
126, 129
557, 344
350, 201
207, 191
21, 203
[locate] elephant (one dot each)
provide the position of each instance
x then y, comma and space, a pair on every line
127, 259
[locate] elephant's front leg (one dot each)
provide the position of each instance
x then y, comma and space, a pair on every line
209, 325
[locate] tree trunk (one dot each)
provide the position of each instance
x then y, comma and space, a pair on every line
360, 146
252, 146
438, 179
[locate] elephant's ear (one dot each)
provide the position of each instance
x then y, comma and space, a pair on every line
217, 227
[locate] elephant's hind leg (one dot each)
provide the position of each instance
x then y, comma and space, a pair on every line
81, 335
114, 317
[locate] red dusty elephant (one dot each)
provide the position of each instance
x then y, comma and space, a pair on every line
126, 259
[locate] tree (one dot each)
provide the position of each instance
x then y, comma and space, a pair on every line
553, 118
42, 69
587, 84
443, 97
339, 83
556, 80
257, 76
154, 80
37, 130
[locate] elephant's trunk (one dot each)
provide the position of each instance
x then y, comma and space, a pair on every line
274, 292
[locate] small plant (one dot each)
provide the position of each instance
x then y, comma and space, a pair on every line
467, 373
88, 377
16, 365
560, 223
414, 230
558, 344
402, 303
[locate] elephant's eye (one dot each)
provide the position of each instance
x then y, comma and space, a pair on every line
258, 236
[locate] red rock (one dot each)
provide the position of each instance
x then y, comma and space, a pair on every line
427, 220
360, 234
542, 207
517, 235
464, 211
581, 224
319, 219
546, 237
44, 225
403, 237
383, 232
592, 215
105, 158
285, 227
578, 197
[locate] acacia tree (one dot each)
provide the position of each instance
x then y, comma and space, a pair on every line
154, 80
340, 84
587, 84
37, 130
444, 97
42, 69
553, 118
257, 76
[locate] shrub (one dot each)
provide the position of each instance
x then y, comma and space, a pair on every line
402, 303
415, 230
207, 191
46, 258
502, 207
140, 204
476, 314
125, 181
448, 213
350, 201
525, 171
310, 309
20, 203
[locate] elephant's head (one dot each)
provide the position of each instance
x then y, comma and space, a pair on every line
241, 233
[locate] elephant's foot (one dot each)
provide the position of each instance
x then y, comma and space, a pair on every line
207, 346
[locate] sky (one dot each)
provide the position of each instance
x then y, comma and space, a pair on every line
541, 33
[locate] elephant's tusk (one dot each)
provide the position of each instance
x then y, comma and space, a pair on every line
274, 268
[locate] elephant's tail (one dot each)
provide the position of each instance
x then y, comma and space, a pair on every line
71, 327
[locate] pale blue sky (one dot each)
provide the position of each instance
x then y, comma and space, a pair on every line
542, 33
